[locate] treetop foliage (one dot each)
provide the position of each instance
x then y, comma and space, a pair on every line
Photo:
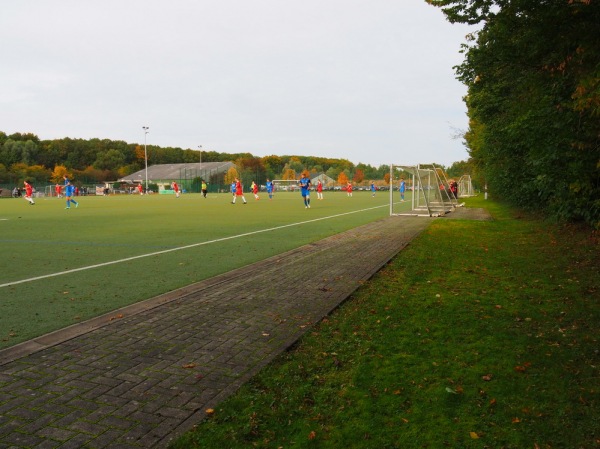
24, 155
469, 11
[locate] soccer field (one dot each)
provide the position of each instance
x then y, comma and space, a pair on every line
61, 267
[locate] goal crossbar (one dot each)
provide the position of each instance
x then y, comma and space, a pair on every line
285, 184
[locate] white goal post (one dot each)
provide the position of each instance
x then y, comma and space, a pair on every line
430, 194
465, 186
50, 191
285, 185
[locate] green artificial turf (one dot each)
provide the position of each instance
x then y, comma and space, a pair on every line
45, 239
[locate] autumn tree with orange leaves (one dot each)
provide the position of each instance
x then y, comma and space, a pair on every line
359, 176
342, 179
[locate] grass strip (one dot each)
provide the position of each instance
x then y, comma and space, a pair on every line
479, 334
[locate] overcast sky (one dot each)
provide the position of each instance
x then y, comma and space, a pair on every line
366, 80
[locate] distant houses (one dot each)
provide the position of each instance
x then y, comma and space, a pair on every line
327, 181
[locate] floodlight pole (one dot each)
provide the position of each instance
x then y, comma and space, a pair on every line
391, 189
200, 148
146, 128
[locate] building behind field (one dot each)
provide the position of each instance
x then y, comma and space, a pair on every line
327, 181
187, 176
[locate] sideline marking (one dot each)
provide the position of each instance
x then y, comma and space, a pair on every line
179, 248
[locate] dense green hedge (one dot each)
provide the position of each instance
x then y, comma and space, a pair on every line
534, 101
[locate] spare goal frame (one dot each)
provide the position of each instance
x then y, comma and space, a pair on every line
431, 195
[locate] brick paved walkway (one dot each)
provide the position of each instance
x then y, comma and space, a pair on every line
140, 376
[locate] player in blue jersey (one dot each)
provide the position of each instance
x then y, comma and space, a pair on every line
269, 186
66, 182
69, 192
233, 190
304, 184
402, 189
373, 188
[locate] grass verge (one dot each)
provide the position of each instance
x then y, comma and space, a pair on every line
478, 335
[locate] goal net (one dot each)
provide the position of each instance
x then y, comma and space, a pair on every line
465, 187
283, 185
427, 191
50, 191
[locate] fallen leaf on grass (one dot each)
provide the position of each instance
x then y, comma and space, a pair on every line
189, 365
312, 435
522, 368
209, 411
474, 435
516, 420
487, 377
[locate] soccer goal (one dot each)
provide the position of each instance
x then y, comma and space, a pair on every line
283, 185
50, 191
430, 194
465, 187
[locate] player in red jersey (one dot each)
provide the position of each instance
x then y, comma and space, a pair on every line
28, 192
239, 191
176, 189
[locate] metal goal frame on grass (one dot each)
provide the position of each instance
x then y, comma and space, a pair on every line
465, 187
431, 195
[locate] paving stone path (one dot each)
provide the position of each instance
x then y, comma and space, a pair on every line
142, 375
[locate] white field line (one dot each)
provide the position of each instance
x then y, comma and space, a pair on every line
179, 248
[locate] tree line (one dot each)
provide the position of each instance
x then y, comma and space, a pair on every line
533, 101
25, 156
